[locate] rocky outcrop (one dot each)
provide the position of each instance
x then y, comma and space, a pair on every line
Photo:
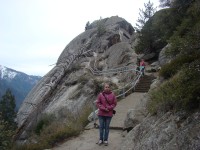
69, 85
168, 131
163, 58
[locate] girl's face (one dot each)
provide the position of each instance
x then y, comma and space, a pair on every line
106, 87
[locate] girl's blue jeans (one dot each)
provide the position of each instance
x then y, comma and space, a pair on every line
104, 123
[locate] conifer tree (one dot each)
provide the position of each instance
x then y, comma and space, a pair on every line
101, 28
144, 15
7, 108
145, 32
7, 120
87, 25
5, 134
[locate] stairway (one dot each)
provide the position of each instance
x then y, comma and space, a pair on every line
144, 84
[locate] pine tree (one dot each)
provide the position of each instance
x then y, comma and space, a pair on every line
144, 28
7, 120
7, 108
101, 28
5, 134
144, 15
87, 25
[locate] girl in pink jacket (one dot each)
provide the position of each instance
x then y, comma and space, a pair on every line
142, 66
106, 102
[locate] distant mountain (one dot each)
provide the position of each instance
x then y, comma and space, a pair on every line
18, 82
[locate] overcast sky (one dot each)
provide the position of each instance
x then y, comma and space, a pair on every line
33, 33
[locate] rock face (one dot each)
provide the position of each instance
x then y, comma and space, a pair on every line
166, 132
163, 59
69, 85
136, 116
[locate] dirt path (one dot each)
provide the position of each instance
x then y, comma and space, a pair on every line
133, 101
87, 140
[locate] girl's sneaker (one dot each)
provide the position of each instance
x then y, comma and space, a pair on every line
100, 142
106, 143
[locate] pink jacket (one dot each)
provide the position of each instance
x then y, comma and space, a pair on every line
105, 109
142, 63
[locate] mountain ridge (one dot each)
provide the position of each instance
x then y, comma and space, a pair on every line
18, 82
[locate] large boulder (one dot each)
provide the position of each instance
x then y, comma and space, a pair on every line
163, 58
69, 85
168, 131
133, 117
119, 54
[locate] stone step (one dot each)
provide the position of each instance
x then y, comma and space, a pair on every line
142, 91
142, 88
144, 84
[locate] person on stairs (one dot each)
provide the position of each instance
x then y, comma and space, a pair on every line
106, 102
142, 66
138, 69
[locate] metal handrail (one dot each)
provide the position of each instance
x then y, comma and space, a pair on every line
135, 81
111, 71
116, 70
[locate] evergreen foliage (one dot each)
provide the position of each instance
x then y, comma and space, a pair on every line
6, 134
101, 28
7, 108
181, 90
145, 15
170, 69
87, 25
51, 130
157, 31
44, 121
186, 38
7, 117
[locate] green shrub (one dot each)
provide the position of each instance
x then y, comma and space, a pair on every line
175, 65
57, 131
44, 121
101, 28
52, 134
83, 116
6, 133
185, 39
179, 93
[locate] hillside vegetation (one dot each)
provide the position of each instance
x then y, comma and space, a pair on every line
178, 26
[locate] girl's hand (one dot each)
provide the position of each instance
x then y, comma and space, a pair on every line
107, 109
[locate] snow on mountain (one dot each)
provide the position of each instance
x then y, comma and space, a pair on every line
18, 82
7, 73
